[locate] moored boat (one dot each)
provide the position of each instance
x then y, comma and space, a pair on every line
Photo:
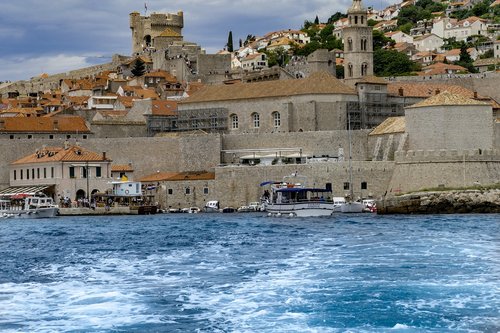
292, 198
34, 207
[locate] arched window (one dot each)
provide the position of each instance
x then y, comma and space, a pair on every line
234, 121
349, 44
362, 19
356, 19
364, 69
256, 120
276, 119
363, 44
349, 70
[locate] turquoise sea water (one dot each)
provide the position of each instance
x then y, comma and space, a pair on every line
251, 273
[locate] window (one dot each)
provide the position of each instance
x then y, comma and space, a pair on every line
38, 173
83, 172
30, 136
364, 69
188, 190
276, 119
51, 136
346, 185
68, 136
15, 174
364, 185
170, 191
356, 19
205, 190
234, 121
27, 173
71, 172
349, 70
21, 173
213, 122
349, 44
33, 173
11, 137
52, 172
98, 172
44, 172
194, 123
256, 120
85, 136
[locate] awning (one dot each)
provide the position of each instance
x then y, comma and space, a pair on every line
22, 190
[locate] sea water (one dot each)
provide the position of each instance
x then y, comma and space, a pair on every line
250, 273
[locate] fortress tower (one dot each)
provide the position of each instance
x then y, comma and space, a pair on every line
358, 44
164, 27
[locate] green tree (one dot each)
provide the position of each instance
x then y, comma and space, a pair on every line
465, 60
335, 17
279, 57
413, 14
372, 23
230, 42
316, 20
379, 40
392, 63
139, 67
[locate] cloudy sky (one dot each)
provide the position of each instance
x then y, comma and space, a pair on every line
40, 36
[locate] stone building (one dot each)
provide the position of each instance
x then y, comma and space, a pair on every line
57, 127
71, 171
145, 29
315, 103
358, 44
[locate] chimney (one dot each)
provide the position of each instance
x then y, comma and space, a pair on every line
401, 91
438, 91
475, 96
104, 155
56, 125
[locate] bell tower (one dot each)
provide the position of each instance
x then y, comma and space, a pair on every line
358, 44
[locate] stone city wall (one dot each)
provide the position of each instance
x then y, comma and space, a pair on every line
237, 186
147, 155
312, 143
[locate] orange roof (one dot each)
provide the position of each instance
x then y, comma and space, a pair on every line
146, 93
162, 74
78, 100
441, 68
121, 168
127, 101
447, 98
59, 124
178, 176
426, 89
164, 108
60, 154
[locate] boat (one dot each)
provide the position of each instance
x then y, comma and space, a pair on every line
229, 210
351, 206
291, 197
211, 206
34, 207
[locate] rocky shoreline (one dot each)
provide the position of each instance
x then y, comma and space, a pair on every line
442, 202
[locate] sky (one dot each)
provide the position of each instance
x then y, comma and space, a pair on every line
40, 36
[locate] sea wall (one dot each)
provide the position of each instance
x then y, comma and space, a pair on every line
147, 155
236, 186
448, 202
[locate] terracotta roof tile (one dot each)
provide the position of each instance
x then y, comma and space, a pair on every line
390, 126
162, 74
426, 89
317, 83
60, 124
59, 154
447, 98
164, 108
121, 168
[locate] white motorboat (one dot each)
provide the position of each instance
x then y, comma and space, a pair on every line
292, 198
211, 206
34, 207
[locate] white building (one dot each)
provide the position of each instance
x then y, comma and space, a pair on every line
429, 42
254, 61
399, 37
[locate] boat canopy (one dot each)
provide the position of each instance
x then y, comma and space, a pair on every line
299, 189
22, 191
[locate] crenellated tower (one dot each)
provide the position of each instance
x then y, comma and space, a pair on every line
358, 44
145, 29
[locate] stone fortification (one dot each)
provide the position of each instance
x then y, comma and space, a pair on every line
147, 155
52, 82
486, 84
312, 143
417, 170
236, 186
446, 202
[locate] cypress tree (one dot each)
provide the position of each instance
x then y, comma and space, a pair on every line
139, 67
230, 42
316, 20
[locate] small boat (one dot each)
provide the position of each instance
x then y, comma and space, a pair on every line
35, 207
211, 206
292, 198
229, 210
